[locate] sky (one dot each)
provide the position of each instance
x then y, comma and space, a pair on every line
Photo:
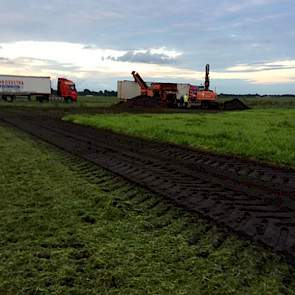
250, 45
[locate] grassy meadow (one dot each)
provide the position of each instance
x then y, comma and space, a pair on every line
62, 232
107, 101
83, 101
262, 134
263, 102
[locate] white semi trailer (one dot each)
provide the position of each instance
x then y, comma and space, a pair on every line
12, 86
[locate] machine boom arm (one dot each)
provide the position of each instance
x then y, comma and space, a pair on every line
207, 79
140, 81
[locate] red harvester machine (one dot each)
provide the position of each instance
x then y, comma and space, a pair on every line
166, 93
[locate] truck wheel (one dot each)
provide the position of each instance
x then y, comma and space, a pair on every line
68, 100
10, 98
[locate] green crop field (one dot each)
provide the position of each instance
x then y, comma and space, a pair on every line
263, 102
106, 101
83, 101
267, 134
63, 233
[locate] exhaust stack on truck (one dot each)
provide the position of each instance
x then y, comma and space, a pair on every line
13, 86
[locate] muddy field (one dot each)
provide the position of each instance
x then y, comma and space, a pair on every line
253, 200
70, 227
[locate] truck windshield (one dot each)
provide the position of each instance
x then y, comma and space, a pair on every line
73, 87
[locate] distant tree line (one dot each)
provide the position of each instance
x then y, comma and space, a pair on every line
256, 95
98, 93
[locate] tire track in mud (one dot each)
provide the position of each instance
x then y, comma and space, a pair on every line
252, 200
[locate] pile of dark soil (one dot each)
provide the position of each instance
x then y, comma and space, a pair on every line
234, 104
151, 103
139, 101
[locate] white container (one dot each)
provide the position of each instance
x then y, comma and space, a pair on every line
24, 85
182, 89
128, 89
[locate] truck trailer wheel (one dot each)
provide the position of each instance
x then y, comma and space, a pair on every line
10, 98
40, 98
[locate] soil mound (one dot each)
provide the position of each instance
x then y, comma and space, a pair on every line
151, 103
234, 104
139, 101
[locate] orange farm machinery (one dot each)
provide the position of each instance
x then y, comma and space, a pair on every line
167, 93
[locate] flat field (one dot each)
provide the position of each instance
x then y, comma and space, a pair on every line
262, 102
83, 101
107, 101
67, 227
266, 134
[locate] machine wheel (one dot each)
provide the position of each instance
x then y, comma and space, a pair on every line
204, 105
171, 101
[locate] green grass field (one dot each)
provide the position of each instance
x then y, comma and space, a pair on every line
267, 135
259, 102
83, 101
105, 101
60, 233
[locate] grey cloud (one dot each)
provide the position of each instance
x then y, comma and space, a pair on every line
276, 67
265, 67
201, 29
89, 47
6, 61
145, 57
31, 62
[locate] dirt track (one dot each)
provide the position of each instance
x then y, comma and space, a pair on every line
251, 199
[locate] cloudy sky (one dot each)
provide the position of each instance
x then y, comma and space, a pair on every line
249, 44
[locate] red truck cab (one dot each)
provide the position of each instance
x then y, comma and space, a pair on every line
67, 89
